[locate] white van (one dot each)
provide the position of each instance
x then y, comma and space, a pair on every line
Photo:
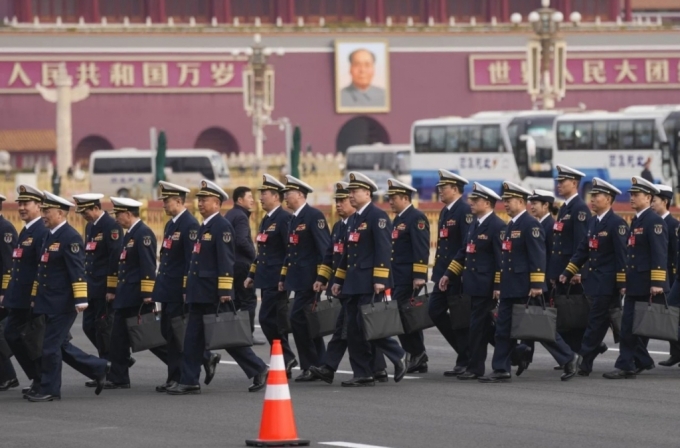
130, 172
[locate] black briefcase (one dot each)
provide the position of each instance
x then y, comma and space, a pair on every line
415, 315
460, 310
103, 326
5, 351
32, 334
573, 310
178, 325
283, 309
322, 315
230, 329
615, 316
656, 321
381, 319
144, 331
534, 323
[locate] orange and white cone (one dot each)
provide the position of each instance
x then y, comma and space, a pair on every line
277, 427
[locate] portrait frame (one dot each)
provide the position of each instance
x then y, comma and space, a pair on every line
381, 78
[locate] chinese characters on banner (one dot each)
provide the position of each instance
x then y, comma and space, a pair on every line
585, 71
130, 74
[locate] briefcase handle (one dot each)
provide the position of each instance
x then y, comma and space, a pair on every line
383, 298
665, 299
541, 299
230, 302
139, 313
412, 301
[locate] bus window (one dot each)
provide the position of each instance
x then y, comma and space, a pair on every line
600, 136
565, 136
613, 135
422, 139
644, 135
475, 139
626, 135
452, 141
584, 135
438, 139
491, 139
122, 165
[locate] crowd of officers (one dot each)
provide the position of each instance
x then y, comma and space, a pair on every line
49, 271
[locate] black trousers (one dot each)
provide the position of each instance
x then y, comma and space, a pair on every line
273, 309
16, 318
244, 298
96, 308
412, 343
480, 326
311, 351
573, 338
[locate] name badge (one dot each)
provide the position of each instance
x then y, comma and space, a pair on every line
338, 248
18, 252
197, 248
293, 238
45, 257
167, 243
507, 245
631, 241
395, 234
470, 248
123, 255
262, 237
558, 226
593, 243
90, 246
354, 237
444, 233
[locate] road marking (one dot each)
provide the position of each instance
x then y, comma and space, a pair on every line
344, 372
351, 445
650, 352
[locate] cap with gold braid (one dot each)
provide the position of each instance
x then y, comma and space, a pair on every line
269, 182
29, 193
480, 191
53, 201
341, 190
564, 172
169, 190
359, 180
512, 190
640, 185
125, 205
87, 200
542, 196
209, 188
665, 192
293, 183
449, 178
600, 186
395, 186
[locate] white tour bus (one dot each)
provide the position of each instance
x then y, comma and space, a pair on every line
380, 162
614, 146
130, 172
488, 147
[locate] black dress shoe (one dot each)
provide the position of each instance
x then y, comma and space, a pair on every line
381, 376
259, 381
399, 370
458, 370
184, 389
558, 368
468, 376
9, 384
305, 377
91, 383
290, 366
108, 385
131, 362
359, 382
620, 375
603, 348
639, 370
498, 376
418, 364
38, 398
32, 390
570, 368
324, 373
101, 380
582, 372
523, 363
259, 341
670, 362
165, 386
210, 366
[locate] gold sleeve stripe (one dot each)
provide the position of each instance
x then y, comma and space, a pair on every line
572, 268
455, 267
658, 275
111, 281
80, 290
253, 268
536, 278
34, 290
497, 277
284, 270
5, 281
325, 271
419, 268
184, 281
381, 272
620, 277
340, 273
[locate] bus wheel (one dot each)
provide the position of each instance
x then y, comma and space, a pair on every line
123, 193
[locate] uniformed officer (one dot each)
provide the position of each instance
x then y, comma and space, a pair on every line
8, 376
103, 239
522, 275
661, 205
570, 228
646, 274
338, 344
136, 278
179, 236
362, 276
308, 239
60, 293
210, 282
272, 241
604, 249
479, 265
17, 296
410, 256
454, 221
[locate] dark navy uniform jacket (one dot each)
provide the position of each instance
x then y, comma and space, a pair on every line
604, 249
410, 247
9, 242
239, 218
479, 261
672, 225
103, 241
366, 259
211, 274
647, 254
178, 243
308, 239
272, 242
333, 256
548, 223
136, 267
451, 230
60, 283
25, 258
523, 257
569, 229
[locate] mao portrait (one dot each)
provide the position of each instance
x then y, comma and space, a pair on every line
361, 76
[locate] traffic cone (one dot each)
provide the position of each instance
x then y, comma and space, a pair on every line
277, 427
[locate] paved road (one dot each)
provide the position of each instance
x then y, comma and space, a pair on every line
536, 410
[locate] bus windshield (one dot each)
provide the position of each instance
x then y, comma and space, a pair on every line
396, 162
540, 129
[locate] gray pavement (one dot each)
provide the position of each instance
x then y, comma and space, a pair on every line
425, 410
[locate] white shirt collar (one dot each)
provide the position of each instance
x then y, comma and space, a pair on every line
175, 218
133, 225
665, 214
404, 210
572, 197
481, 220
517, 217
544, 217
451, 204
361, 210
58, 227
297, 212
637, 215
29, 224
599, 217
344, 221
98, 219
272, 212
207, 220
